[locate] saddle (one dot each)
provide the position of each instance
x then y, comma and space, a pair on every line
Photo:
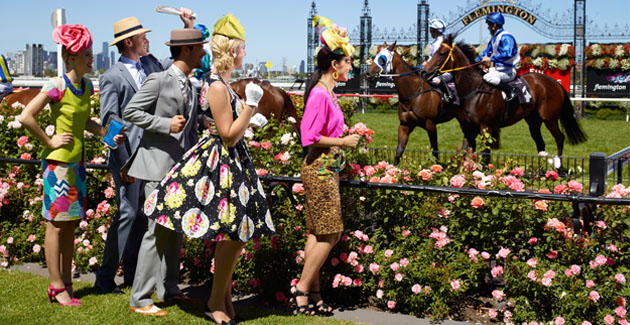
452, 88
524, 93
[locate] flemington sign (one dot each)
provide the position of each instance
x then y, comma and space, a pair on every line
504, 9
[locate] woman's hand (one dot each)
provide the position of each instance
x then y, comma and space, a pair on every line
60, 140
350, 140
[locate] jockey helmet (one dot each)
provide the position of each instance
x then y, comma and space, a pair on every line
437, 24
496, 18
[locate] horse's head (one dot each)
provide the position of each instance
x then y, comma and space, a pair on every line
382, 62
441, 59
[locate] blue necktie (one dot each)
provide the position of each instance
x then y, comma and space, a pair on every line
141, 74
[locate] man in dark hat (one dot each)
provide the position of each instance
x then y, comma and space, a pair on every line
166, 108
117, 86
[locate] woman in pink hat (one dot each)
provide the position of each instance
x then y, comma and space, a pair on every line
64, 174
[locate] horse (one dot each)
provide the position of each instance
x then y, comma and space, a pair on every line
419, 104
484, 105
274, 100
22, 96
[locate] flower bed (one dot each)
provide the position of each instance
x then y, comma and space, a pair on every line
417, 253
608, 56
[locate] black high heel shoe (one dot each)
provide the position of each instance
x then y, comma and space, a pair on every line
210, 317
301, 309
321, 309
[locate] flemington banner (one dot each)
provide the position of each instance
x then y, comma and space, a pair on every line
608, 70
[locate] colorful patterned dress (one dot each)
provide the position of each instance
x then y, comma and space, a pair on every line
65, 192
213, 192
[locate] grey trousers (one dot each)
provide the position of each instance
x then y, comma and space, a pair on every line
158, 262
125, 233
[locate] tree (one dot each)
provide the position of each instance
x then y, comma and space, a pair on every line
49, 73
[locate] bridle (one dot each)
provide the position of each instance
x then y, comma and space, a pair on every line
383, 61
450, 58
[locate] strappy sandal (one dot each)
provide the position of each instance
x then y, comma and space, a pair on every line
320, 307
301, 309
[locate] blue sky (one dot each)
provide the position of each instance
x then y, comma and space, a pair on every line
274, 28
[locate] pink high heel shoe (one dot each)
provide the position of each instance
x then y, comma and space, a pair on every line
69, 288
53, 292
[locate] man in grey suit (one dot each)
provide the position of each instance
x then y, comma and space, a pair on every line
117, 86
166, 108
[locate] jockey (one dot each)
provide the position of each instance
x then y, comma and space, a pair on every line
437, 27
503, 51
6, 81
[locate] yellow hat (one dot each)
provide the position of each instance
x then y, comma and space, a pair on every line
229, 26
333, 36
127, 27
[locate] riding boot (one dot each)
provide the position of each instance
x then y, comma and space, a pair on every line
510, 92
447, 95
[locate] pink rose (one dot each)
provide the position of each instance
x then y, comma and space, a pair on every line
416, 288
532, 275
546, 282
552, 254
379, 294
357, 282
298, 188
22, 141
518, 171
560, 189
620, 311
485, 255
391, 304
575, 186
492, 313
498, 294
398, 277
576, 269
359, 268
261, 172
477, 202
389, 253
265, 145
593, 295
347, 281
436, 168
368, 249
608, 319
620, 278
455, 284
404, 262
93, 261
559, 321
334, 261
458, 181
496, 271
503, 253
10, 240
31, 238
374, 268
551, 175
532, 262
590, 283
36, 248
533, 240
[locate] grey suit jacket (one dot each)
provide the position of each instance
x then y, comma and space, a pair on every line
116, 89
152, 108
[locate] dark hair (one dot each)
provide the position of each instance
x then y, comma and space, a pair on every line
324, 61
120, 46
176, 51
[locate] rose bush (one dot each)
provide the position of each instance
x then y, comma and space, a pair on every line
420, 253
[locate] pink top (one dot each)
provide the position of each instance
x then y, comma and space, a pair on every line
321, 117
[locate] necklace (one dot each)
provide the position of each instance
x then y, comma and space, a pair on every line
329, 92
71, 86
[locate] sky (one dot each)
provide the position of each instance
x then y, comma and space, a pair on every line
274, 29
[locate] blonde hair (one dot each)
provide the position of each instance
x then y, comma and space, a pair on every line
221, 47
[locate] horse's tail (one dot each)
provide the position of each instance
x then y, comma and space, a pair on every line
571, 126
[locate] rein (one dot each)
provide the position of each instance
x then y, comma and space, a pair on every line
415, 71
450, 57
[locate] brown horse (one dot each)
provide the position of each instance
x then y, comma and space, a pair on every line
274, 100
22, 96
419, 104
484, 106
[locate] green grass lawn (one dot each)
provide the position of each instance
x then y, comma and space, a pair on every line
24, 301
608, 136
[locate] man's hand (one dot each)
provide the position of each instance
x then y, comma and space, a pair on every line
126, 178
186, 16
485, 59
177, 123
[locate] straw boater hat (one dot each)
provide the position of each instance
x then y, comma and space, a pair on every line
186, 36
127, 27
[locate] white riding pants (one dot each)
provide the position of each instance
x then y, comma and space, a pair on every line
497, 75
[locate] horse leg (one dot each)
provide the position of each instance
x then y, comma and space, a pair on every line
403, 136
433, 138
534, 122
554, 128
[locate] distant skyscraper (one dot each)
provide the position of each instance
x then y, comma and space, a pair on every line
302, 66
112, 58
34, 60
18, 63
285, 66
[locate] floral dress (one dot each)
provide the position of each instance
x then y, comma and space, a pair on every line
213, 192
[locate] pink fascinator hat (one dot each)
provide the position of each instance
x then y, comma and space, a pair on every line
75, 38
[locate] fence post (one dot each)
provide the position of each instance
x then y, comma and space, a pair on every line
597, 173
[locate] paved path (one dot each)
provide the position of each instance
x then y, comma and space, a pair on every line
359, 315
